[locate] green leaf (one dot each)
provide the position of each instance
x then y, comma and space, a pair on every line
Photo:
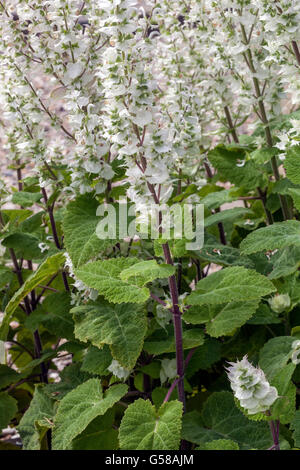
8, 376
25, 199
79, 224
232, 166
284, 407
295, 193
221, 419
224, 255
226, 215
99, 435
204, 356
220, 444
264, 316
105, 277
275, 355
8, 409
44, 272
144, 428
229, 284
285, 262
41, 410
273, 237
70, 377
54, 314
25, 245
222, 319
80, 407
295, 426
292, 164
163, 341
96, 361
6, 276
216, 199
263, 155
146, 271
122, 327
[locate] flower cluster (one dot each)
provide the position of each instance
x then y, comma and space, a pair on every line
251, 387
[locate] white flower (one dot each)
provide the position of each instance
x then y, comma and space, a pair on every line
116, 369
280, 302
168, 370
251, 387
43, 247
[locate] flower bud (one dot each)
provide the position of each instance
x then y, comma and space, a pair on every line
251, 387
280, 302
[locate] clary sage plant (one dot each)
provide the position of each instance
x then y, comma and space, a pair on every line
116, 333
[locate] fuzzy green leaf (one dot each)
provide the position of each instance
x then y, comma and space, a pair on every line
221, 419
80, 407
230, 284
122, 327
144, 428
8, 409
44, 272
296, 428
273, 237
275, 355
146, 271
41, 410
292, 164
80, 222
105, 277
221, 319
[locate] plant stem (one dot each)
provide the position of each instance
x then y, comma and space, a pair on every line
55, 235
177, 327
274, 428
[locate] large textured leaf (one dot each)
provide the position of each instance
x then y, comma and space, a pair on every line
285, 262
220, 444
221, 419
105, 277
275, 355
296, 428
54, 314
44, 272
25, 199
233, 283
146, 271
80, 407
8, 409
144, 428
25, 245
221, 319
41, 410
80, 222
284, 407
122, 327
99, 435
214, 252
96, 361
292, 164
272, 237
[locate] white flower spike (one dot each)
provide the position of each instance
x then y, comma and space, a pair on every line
251, 387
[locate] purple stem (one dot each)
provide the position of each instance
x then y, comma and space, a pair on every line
177, 327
